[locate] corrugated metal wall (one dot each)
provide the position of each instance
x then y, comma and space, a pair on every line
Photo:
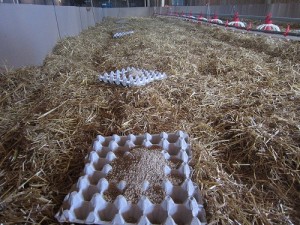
28, 32
235, 2
96, 3
142, 3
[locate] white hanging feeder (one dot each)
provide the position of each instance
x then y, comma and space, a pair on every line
218, 21
201, 18
215, 19
237, 24
236, 21
268, 25
192, 17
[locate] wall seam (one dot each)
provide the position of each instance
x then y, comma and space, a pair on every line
56, 20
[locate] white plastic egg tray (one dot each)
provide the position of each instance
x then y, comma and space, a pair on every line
131, 77
122, 34
86, 204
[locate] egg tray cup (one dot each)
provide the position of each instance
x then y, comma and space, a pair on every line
131, 77
86, 204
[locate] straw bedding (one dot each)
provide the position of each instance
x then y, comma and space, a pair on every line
238, 96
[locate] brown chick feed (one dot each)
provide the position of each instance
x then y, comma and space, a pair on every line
136, 167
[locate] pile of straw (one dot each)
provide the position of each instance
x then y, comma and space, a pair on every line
238, 96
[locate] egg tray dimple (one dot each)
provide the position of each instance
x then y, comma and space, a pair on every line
131, 77
122, 34
183, 203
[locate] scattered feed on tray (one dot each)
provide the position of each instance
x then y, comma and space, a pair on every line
136, 167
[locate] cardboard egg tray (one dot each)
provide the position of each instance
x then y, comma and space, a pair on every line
131, 77
86, 204
122, 34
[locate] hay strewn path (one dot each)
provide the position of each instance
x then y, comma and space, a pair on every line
237, 96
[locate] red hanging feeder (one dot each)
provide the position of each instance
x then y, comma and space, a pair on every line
268, 25
249, 27
216, 20
236, 21
287, 30
200, 17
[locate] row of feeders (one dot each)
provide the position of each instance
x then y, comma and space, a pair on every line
267, 26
